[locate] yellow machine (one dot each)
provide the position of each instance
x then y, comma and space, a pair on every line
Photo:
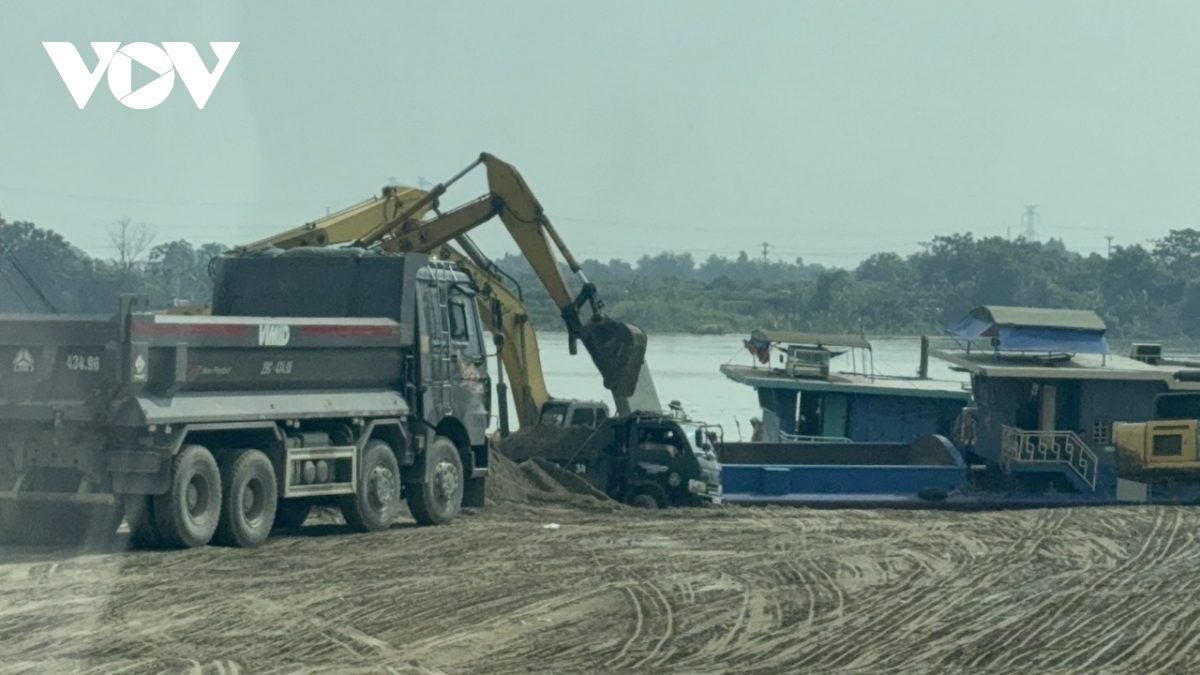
1159, 445
397, 222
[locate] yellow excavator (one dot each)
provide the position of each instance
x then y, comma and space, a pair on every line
398, 221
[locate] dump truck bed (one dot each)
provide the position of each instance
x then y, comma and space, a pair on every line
152, 368
56, 365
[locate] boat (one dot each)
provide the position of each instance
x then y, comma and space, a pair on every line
824, 388
1050, 417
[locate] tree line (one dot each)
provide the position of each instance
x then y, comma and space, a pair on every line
1142, 291
41, 272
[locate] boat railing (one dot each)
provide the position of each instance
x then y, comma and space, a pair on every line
798, 438
1021, 446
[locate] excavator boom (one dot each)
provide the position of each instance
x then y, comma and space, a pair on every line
347, 224
618, 350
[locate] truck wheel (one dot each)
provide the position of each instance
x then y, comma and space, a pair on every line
373, 507
475, 493
645, 500
143, 530
187, 515
291, 514
438, 497
249, 496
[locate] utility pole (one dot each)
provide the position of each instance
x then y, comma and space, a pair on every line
1030, 219
765, 246
1109, 239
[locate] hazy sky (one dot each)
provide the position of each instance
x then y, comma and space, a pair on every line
829, 129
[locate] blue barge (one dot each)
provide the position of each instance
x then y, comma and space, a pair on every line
1050, 417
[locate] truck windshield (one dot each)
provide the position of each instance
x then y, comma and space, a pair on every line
689, 432
554, 414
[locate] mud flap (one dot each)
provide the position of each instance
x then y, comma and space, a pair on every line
618, 350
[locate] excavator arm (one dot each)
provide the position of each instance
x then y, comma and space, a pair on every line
617, 349
347, 224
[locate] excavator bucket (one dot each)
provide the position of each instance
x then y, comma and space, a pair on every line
618, 350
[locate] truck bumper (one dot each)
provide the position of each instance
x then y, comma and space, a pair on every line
705, 493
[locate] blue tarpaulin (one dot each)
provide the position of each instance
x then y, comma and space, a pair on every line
1032, 338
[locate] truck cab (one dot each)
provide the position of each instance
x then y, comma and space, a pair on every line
563, 412
667, 462
649, 460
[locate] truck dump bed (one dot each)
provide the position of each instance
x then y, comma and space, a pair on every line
147, 368
55, 365
191, 368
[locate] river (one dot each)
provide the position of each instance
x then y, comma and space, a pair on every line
686, 368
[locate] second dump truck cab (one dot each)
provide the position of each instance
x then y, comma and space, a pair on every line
650, 460
338, 377
664, 462
570, 412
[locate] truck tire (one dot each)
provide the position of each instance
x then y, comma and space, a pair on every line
188, 513
24, 524
437, 499
249, 496
73, 526
645, 500
373, 507
475, 493
143, 530
291, 514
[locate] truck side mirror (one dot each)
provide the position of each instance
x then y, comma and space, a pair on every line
699, 438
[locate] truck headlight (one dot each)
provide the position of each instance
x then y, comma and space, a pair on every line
697, 487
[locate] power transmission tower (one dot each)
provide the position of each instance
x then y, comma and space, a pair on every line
1030, 219
765, 246
1109, 239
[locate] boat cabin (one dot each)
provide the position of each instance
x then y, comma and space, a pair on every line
824, 388
1047, 391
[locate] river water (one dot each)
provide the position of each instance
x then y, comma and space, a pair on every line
686, 368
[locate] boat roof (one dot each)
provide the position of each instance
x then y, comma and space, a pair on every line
910, 387
1034, 329
1067, 367
812, 339
1040, 317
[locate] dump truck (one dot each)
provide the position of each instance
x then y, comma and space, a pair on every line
347, 378
647, 460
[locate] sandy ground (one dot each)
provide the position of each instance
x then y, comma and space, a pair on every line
722, 590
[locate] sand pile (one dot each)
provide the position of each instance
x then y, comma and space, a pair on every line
530, 479
563, 444
536, 480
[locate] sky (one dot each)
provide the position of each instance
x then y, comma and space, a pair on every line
828, 130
